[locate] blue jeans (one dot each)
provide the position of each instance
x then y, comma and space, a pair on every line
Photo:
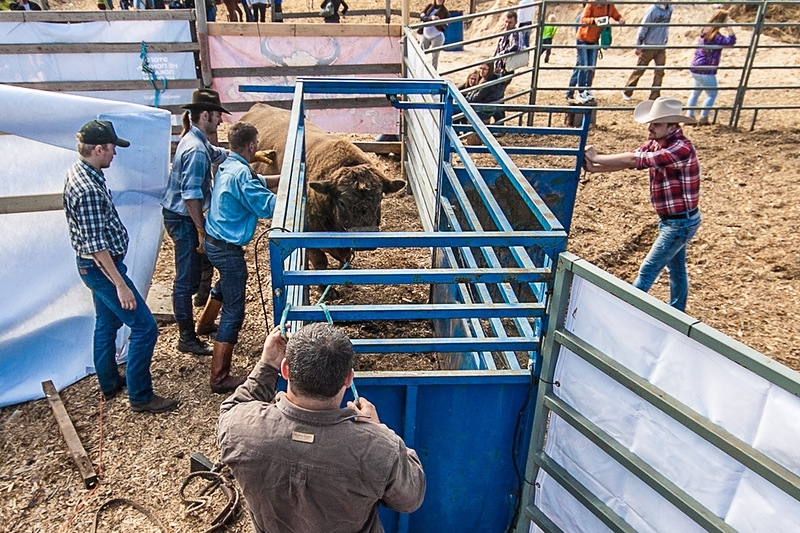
230, 263
188, 263
586, 57
669, 251
707, 83
109, 317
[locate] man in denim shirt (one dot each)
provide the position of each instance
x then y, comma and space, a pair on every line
239, 199
100, 241
185, 199
674, 191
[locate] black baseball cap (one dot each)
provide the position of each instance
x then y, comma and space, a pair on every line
101, 132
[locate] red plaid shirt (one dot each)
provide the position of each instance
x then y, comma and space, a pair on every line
674, 173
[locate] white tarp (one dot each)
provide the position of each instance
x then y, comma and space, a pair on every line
47, 316
750, 407
101, 66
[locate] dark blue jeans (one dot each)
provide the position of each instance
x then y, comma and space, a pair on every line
230, 263
109, 317
183, 233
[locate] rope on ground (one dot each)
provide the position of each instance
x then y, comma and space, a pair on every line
151, 75
125, 501
216, 480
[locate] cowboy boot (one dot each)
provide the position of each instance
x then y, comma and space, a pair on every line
221, 380
206, 323
188, 341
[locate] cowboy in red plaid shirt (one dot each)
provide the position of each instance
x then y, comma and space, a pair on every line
674, 191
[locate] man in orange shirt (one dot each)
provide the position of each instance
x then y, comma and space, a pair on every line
595, 15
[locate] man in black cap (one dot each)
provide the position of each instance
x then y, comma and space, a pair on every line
186, 198
100, 241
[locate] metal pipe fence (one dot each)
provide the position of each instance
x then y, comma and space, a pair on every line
753, 80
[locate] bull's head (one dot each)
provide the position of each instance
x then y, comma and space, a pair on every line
356, 194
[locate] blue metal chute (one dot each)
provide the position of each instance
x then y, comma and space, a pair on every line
494, 231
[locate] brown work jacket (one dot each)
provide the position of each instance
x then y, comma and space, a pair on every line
313, 471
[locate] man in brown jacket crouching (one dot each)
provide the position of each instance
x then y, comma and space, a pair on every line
304, 464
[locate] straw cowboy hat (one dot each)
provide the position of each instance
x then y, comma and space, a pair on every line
662, 110
205, 100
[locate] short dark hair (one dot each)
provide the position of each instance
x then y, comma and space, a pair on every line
320, 357
512, 15
240, 135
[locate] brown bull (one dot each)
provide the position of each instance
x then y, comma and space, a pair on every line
345, 189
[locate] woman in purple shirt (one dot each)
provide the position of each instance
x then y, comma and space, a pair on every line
705, 63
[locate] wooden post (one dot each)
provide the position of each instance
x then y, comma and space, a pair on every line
70, 435
406, 13
202, 40
471, 7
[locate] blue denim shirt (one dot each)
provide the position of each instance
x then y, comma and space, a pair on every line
190, 177
239, 199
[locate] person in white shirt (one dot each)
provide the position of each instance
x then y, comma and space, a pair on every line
526, 12
433, 36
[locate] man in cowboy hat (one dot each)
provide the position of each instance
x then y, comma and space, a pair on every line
100, 241
185, 199
674, 190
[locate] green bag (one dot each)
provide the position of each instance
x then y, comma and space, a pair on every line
605, 37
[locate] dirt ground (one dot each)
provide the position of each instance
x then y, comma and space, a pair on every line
744, 267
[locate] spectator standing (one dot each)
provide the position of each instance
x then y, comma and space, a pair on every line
248, 13
337, 5
100, 241
651, 44
548, 32
705, 63
304, 463
573, 79
587, 45
674, 191
433, 36
24, 5
239, 199
526, 12
511, 42
259, 10
186, 198
277, 6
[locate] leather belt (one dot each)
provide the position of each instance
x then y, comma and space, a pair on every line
222, 244
680, 216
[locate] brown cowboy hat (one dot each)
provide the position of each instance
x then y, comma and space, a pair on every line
206, 100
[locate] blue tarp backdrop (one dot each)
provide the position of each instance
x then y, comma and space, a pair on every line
47, 316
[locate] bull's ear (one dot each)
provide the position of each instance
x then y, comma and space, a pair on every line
323, 187
390, 186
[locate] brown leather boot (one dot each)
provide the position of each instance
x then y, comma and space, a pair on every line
206, 323
221, 380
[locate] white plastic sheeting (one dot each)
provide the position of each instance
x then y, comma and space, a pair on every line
751, 408
101, 66
47, 316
